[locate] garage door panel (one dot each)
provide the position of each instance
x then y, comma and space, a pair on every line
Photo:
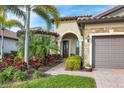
108, 52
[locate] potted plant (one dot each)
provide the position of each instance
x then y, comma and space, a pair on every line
87, 67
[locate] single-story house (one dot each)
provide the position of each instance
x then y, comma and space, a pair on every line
99, 39
10, 41
11, 38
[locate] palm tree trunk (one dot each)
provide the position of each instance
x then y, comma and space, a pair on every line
26, 52
2, 45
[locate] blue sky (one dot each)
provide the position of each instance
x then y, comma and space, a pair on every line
67, 10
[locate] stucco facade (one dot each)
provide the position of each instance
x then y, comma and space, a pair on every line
9, 45
108, 25
101, 29
68, 27
71, 28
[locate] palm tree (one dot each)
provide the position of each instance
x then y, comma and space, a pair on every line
44, 11
7, 25
4, 9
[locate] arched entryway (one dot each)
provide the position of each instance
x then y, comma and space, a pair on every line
70, 45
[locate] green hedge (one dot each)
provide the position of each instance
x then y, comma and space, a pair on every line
73, 63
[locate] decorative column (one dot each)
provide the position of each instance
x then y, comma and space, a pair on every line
80, 48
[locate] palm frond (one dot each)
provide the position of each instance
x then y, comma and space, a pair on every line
39, 11
16, 10
52, 10
1, 19
14, 23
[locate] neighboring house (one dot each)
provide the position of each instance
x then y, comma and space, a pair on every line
98, 39
11, 38
10, 41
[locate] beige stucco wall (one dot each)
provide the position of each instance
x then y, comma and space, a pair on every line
9, 45
68, 27
99, 28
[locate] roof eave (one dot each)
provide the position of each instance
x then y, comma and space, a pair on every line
39, 32
71, 18
102, 20
109, 11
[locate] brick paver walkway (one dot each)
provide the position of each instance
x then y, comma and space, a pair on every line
105, 78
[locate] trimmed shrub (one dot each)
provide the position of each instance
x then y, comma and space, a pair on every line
69, 64
20, 75
73, 63
37, 74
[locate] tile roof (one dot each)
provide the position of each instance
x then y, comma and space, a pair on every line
9, 34
39, 30
101, 19
67, 18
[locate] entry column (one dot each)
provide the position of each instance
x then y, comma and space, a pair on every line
80, 48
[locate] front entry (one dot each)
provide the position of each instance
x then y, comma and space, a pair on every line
65, 48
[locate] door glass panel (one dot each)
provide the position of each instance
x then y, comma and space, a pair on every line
77, 47
65, 48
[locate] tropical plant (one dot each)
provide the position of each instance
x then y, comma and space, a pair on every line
19, 75
35, 63
9, 60
8, 73
44, 11
20, 64
40, 45
87, 65
4, 9
37, 74
2, 78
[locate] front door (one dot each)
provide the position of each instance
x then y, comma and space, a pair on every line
65, 48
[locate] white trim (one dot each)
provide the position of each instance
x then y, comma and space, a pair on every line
105, 34
99, 34
90, 50
79, 38
80, 48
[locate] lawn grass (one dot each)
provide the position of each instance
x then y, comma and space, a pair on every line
58, 81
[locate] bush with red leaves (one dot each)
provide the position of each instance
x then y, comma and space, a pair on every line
54, 57
9, 61
21, 65
2, 66
35, 63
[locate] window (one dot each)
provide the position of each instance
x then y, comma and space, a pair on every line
77, 47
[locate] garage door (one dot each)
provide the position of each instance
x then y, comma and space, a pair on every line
108, 52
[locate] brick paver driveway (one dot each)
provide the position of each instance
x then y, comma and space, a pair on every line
105, 78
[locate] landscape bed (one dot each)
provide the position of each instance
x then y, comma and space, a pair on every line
58, 81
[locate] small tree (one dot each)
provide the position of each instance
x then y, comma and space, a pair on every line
44, 11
